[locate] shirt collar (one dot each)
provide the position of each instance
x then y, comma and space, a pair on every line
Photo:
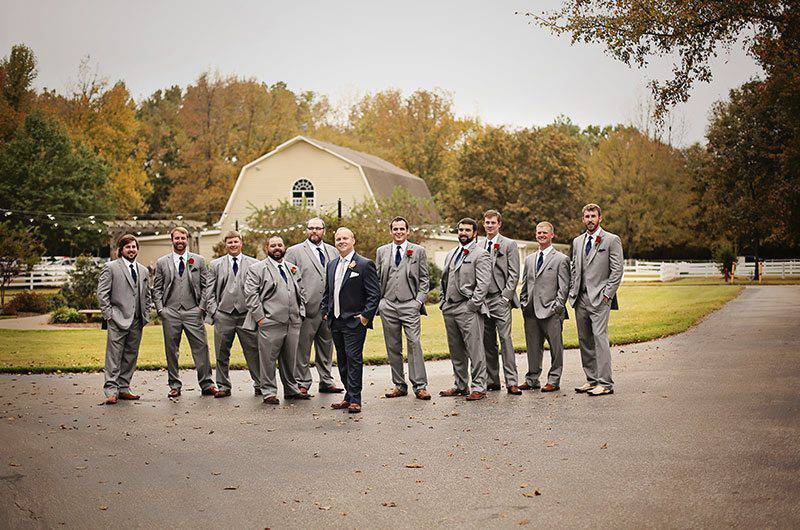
313, 246
347, 258
238, 258
548, 250
403, 246
129, 263
274, 263
493, 240
598, 232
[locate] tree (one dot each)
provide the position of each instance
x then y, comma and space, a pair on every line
644, 190
529, 175
17, 72
19, 251
756, 193
634, 32
160, 131
44, 172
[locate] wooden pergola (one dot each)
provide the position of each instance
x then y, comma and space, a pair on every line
152, 227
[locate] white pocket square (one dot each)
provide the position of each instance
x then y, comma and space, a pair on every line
353, 274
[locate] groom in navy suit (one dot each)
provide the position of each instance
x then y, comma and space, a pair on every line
352, 293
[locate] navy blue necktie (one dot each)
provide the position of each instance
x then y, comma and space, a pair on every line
133, 273
539, 261
181, 267
283, 274
321, 257
397, 257
235, 266
588, 244
459, 254
489, 247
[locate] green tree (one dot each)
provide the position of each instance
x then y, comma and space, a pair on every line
45, 172
17, 72
19, 251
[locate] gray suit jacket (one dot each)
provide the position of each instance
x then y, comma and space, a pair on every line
505, 266
603, 269
218, 271
312, 273
115, 291
165, 273
545, 293
472, 274
260, 287
416, 270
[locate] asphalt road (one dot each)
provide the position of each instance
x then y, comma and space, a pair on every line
703, 431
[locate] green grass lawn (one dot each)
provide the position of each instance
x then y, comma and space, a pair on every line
648, 312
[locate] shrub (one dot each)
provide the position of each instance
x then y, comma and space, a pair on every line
81, 290
66, 315
28, 302
57, 300
435, 275
434, 295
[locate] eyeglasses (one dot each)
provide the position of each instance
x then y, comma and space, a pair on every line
315, 228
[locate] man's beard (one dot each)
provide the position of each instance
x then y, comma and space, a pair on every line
315, 238
179, 247
276, 254
464, 239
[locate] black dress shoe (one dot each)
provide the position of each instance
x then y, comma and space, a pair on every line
492, 387
333, 389
257, 391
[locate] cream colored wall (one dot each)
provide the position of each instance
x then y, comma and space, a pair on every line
271, 180
153, 247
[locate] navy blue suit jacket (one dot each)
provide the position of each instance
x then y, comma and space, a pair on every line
359, 294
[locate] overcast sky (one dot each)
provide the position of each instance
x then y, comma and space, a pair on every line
496, 64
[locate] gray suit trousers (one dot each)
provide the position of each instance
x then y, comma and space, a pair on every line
397, 317
592, 325
498, 323
278, 343
122, 350
227, 326
314, 331
465, 340
175, 322
536, 330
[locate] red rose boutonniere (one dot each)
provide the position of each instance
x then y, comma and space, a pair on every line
409, 253
466, 251
496, 247
294, 269
598, 240
190, 261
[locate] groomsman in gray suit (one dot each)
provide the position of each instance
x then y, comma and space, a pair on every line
311, 257
465, 284
403, 273
545, 287
227, 312
276, 308
597, 266
501, 299
179, 294
123, 290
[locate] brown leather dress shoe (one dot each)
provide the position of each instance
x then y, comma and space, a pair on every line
303, 390
514, 390
210, 391
354, 408
475, 396
332, 389
340, 405
111, 400
396, 392
175, 392
526, 386
222, 393
127, 396
549, 388
451, 392
271, 400
298, 396
422, 394
492, 387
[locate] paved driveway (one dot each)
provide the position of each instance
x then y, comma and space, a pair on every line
703, 431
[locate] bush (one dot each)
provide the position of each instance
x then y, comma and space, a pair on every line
57, 300
27, 302
434, 295
434, 275
81, 290
66, 315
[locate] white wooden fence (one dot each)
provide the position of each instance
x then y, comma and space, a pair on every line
42, 277
659, 271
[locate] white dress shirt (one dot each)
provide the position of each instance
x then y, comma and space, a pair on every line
176, 259
130, 272
593, 237
403, 246
341, 269
281, 264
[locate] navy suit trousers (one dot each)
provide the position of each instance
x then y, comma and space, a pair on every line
349, 343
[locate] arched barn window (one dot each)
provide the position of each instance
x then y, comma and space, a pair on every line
303, 193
